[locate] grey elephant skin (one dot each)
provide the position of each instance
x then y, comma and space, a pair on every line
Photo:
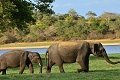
19, 58
70, 52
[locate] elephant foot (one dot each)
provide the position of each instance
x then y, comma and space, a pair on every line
62, 71
48, 71
80, 70
3, 73
32, 71
40, 72
20, 72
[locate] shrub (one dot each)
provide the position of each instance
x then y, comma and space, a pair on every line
7, 39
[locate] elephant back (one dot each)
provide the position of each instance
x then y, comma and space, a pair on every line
13, 54
70, 46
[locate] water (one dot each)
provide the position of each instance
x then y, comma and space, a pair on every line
39, 50
109, 49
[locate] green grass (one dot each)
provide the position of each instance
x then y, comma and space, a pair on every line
99, 70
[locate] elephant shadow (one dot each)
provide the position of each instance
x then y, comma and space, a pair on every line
108, 71
99, 71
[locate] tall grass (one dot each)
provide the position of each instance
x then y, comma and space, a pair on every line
99, 70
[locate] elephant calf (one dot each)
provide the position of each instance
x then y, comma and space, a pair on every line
19, 58
69, 52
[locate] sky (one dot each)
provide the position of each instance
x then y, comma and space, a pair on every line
83, 6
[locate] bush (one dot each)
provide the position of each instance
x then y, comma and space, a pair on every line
7, 39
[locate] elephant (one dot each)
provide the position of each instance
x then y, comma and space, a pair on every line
74, 51
19, 58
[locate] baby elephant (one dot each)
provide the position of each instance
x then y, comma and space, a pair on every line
19, 58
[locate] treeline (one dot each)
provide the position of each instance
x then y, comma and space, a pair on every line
64, 27
72, 26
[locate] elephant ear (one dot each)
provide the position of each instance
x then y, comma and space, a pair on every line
30, 56
96, 47
24, 57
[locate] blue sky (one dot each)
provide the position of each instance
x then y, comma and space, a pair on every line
83, 6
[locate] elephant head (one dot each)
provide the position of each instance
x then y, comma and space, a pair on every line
35, 57
98, 50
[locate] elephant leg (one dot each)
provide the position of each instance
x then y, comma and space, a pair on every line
4, 72
22, 67
49, 66
84, 66
30, 66
3, 68
60, 65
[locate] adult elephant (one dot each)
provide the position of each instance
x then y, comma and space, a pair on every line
70, 52
19, 58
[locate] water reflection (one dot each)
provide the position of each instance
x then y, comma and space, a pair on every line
109, 49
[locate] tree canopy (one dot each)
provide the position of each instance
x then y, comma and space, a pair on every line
19, 12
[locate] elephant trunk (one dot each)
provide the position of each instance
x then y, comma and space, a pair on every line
40, 64
108, 60
40, 67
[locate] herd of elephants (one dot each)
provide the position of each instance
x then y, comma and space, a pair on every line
59, 53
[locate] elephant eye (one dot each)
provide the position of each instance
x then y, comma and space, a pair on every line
33, 56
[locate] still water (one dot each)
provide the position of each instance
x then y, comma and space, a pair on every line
109, 49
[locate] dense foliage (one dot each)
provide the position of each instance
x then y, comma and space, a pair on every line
27, 21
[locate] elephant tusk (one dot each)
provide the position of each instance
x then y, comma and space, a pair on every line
39, 64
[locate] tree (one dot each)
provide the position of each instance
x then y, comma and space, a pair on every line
43, 5
90, 14
73, 13
19, 12
109, 16
63, 16
38, 15
6, 16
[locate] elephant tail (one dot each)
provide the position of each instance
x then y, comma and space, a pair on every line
46, 57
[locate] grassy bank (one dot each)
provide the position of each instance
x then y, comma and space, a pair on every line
45, 44
27, 45
106, 41
99, 70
